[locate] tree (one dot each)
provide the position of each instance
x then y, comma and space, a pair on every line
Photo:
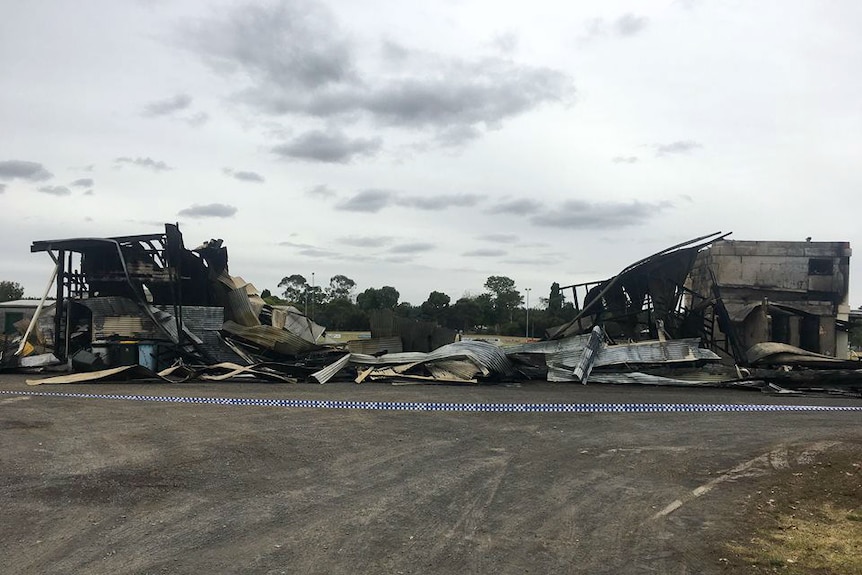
340, 287
435, 306
555, 300
295, 289
373, 298
10, 291
505, 297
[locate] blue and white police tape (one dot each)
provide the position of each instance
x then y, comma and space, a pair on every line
454, 407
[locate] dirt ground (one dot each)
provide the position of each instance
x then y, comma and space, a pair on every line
122, 486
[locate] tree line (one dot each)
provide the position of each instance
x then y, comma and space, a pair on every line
499, 309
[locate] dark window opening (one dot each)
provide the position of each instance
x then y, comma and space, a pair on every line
820, 267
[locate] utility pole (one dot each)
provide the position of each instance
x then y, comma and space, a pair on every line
527, 328
313, 296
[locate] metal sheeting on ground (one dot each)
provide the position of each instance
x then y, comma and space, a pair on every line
328, 372
271, 338
458, 362
376, 345
651, 352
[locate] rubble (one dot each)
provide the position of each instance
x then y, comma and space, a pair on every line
144, 307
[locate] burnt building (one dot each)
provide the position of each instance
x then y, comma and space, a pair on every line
787, 292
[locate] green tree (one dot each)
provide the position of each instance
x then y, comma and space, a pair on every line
555, 299
10, 291
435, 306
505, 297
373, 298
295, 289
340, 287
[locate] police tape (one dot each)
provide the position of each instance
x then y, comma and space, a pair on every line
454, 407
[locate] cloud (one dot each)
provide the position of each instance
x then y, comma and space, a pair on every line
168, 106
506, 42
148, 163
630, 25
678, 147
523, 206
499, 238
82, 183
196, 119
55, 190
369, 201
88, 193
625, 159
208, 211
578, 214
440, 202
244, 176
375, 200
293, 57
23, 170
625, 26
2, 188
329, 147
485, 253
366, 241
322, 191
412, 248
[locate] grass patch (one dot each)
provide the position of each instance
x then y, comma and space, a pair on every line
805, 522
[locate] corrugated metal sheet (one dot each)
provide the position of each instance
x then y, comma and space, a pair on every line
389, 358
328, 372
648, 379
269, 337
462, 360
375, 345
558, 346
485, 354
652, 352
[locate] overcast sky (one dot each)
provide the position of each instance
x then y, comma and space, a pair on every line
429, 144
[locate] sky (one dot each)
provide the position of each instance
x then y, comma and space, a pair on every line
428, 145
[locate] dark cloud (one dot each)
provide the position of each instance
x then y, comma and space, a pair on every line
485, 253
440, 202
578, 214
366, 241
412, 248
82, 183
522, 206
630, 25
208, 211
23, 170
499, 238
370, 201
244, 176
88, 193
148, 163
293, 58
625, 159
328, 147
168, 106
678, 147
56, 190
322, 191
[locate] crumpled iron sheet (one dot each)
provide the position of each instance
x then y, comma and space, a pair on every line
650, 352
269, 337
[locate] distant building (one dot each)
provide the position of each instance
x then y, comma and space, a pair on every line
788, 292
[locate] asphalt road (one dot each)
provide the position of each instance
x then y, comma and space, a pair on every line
120, 486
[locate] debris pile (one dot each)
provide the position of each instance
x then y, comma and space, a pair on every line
145, 307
